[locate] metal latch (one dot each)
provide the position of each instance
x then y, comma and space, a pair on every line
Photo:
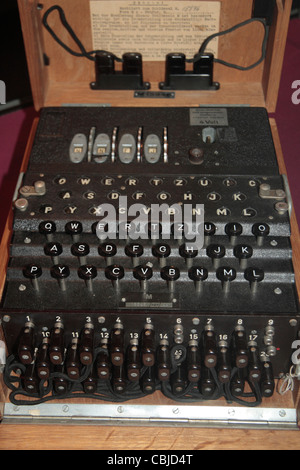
39, 189
265, 192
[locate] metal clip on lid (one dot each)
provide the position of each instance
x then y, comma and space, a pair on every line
178, 78
130, 78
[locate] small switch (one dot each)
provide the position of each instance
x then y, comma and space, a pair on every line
117, 345
224, 362
207, 383
56, 349
254, 367
208, 135
26, 344
31, 381
240, 347
267, 380
119, 379
42, 360
193, 362
210, 351
72, 363
103, 364
148, 345
163, 361
86, 346
133, 361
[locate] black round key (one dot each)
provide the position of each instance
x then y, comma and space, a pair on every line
80, 249
179, 230
261, 230
47, 228
243, 251
198, 274
74, 228
126, 230
233, 229
226, 274
188, 251
161, 250
108, 250
209, 229
254, 275
154, 229
87, 272
215, 251
33, 272
60, 271
100, 229
142, 272
134, 250
170, 273
53, 249
114, 272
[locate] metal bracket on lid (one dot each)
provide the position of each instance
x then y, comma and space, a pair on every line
200, 78
130, 78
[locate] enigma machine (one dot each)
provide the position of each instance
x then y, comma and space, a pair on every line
150, 245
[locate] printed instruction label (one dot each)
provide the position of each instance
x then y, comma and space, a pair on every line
208, 117
154, 27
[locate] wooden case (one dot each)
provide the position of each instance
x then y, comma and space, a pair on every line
58, 78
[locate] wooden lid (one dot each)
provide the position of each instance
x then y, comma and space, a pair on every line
59, 78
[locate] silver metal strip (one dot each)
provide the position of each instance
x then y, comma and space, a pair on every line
288, 193
151, 415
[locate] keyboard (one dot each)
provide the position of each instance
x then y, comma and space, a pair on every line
150, 252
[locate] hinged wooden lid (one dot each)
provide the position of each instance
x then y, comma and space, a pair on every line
65, 79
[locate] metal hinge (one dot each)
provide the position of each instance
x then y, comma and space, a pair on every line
152, 415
